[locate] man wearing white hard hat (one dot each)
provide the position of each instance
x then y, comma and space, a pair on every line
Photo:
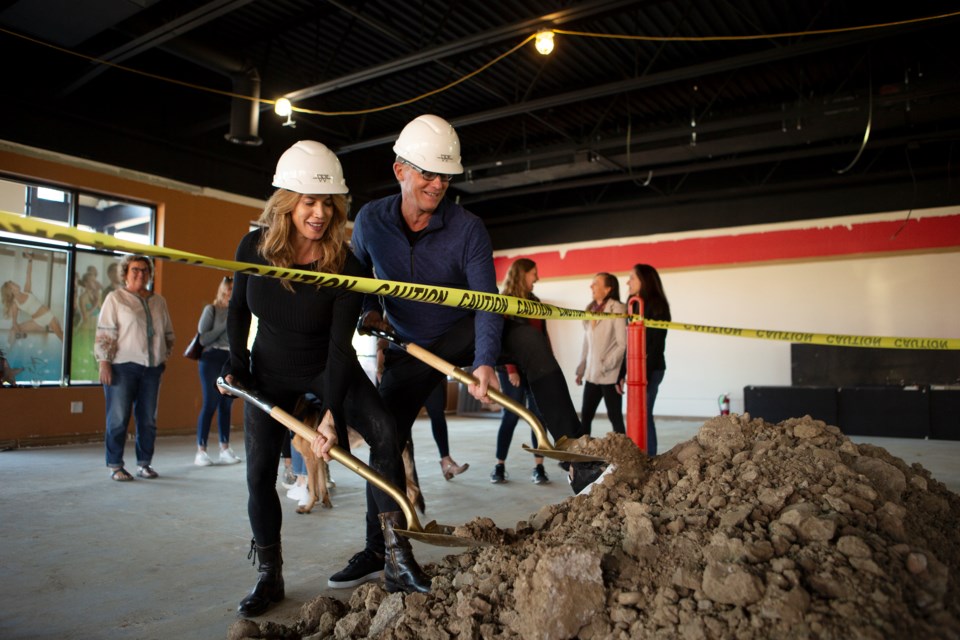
304, 345
422, 237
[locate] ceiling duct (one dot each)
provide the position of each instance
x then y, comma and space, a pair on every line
244, 113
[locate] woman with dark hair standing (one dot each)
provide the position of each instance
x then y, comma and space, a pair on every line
304, 345
604, 345
216, 352
644, 281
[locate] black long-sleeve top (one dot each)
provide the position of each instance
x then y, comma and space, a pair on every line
300, 333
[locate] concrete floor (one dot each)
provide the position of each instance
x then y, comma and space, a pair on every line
83, 557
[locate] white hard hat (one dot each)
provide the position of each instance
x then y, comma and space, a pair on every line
310, 167
430, 143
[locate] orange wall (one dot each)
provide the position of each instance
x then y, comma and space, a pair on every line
186, 221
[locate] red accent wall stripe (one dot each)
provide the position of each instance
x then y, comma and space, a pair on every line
895, 236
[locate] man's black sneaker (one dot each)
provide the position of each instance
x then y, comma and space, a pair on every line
539, 475
499, 475
363, 567
585, 473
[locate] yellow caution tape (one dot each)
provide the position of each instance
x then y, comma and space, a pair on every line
828, 339
460, 298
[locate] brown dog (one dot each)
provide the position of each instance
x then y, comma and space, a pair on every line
318, 472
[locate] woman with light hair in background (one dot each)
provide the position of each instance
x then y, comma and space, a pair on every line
212, 328
604, 346
644, 281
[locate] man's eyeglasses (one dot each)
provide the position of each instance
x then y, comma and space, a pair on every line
429, 176
139, 269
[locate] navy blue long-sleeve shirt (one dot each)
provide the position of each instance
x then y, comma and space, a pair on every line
454, 250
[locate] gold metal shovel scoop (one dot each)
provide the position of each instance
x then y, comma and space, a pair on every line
436, 534
558, 451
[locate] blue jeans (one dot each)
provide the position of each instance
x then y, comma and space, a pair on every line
211, 363
135, 389
297, 463
509, 420
654, 378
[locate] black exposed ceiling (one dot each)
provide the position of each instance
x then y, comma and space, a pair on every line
603, 138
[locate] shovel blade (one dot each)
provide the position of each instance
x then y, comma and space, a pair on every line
440, 535
559, 454
561, 451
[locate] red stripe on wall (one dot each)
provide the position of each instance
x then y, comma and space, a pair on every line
935, 232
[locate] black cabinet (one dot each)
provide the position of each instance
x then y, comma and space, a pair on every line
889, 411
775, 404
945, 413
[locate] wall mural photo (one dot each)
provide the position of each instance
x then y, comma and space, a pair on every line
95, 277
32, 314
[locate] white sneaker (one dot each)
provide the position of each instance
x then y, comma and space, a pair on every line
202, 459
228, 457
298, 492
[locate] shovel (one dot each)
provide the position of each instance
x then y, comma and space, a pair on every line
559, 451
436, 534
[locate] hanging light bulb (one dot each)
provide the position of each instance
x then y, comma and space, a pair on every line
283, 107
544, 42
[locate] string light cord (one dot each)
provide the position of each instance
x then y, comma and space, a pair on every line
759, 36
485, 66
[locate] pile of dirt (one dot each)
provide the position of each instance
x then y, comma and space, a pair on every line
749, 530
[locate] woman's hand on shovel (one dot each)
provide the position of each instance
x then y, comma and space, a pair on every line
326, 437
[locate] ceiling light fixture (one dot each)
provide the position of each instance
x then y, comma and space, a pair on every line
283, 108
544, 42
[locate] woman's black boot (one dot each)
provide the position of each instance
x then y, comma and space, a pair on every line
401, 571
269, 587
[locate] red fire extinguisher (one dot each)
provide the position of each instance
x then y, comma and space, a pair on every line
724, 403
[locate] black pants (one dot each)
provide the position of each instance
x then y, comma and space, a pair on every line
407, 382
264, 439
436, 405
591, 400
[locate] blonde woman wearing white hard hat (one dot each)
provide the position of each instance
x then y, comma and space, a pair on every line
303, 345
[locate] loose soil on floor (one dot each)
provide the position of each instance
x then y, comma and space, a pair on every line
748, 530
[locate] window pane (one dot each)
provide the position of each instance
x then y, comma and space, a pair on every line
124, 220
36, 283
44, 203
33, 295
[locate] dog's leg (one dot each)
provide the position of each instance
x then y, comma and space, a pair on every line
414, 495
310, 461
323, 471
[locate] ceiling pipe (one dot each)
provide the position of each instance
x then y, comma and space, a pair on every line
245, 114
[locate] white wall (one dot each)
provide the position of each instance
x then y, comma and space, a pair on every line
897, 295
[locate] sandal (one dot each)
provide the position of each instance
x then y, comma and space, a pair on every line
451, 469
121, 475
